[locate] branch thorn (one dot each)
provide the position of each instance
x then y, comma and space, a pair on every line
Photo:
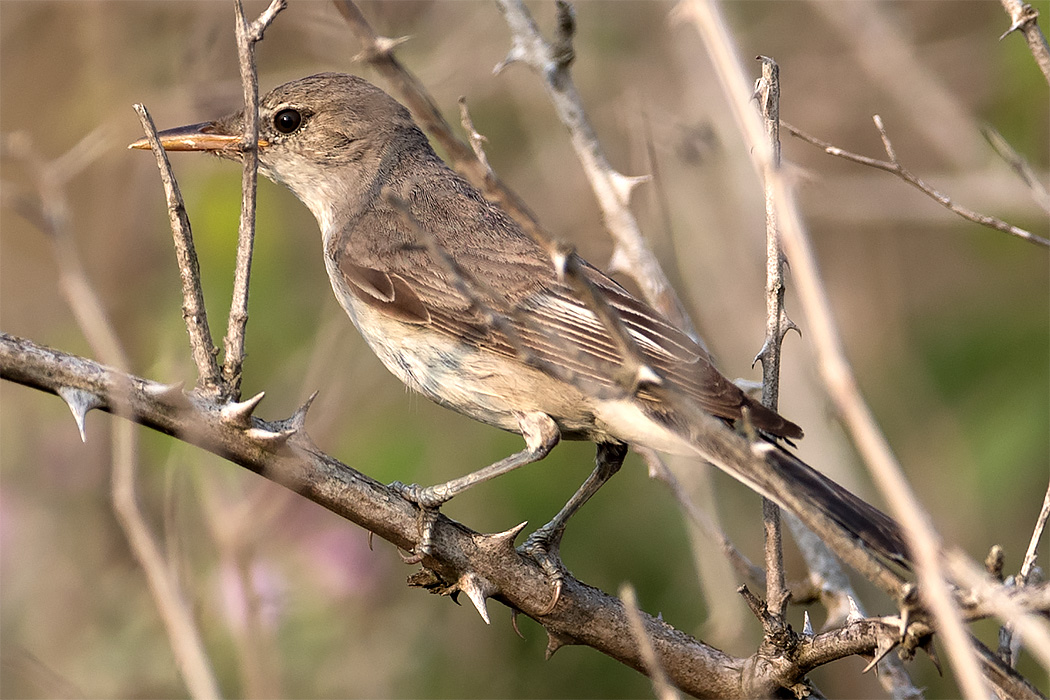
174, 394
854, 611
239, 413
554, 643
297, 421
80, 402
270, 439
507, 537
625, 184
477, 589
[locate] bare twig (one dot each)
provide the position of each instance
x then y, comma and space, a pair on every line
612, 189
662, 688
477, 141
894, 166
1033, 544
209, 378
833, 364
248, 34
1023, 19
51, 212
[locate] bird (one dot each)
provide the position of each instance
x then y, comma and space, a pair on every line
466, 308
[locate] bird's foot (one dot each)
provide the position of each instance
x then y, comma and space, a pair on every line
543, 546
429, 499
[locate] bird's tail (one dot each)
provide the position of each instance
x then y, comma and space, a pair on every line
782, 477
878, 531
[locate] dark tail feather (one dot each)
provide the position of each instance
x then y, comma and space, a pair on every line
878, 531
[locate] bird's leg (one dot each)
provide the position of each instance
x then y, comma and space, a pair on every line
541, 435
543, 544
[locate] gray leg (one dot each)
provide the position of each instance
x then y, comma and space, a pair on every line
543, 544
541, 435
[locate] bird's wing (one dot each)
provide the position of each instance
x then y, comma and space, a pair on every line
494, 287
544, 322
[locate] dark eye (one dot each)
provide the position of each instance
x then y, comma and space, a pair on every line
287, 120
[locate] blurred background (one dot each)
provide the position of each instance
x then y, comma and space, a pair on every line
947, 325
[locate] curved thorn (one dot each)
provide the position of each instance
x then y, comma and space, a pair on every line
807, 625
514, 622
624, 185
80, 402
370, 536
554, 643
239, 413
932, 653
516, 53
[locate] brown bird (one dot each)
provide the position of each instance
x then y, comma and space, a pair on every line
465, 308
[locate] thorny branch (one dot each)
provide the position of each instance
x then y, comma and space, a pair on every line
767, 89
282, 452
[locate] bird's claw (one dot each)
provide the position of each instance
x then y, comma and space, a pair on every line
541, 546
428, 501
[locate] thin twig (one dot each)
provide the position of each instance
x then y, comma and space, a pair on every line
477, 141
248, 34
893, 166
832, 361
1023, 18
631, 255
1007, 643
662, 688
1033, 544
209, 378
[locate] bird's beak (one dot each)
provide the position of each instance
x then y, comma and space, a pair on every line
206, 136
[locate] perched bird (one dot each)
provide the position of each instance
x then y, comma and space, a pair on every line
465, 308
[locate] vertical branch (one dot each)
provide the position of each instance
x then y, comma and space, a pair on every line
209, 378
248, 34
767, 89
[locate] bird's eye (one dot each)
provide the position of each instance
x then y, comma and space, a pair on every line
287, 120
